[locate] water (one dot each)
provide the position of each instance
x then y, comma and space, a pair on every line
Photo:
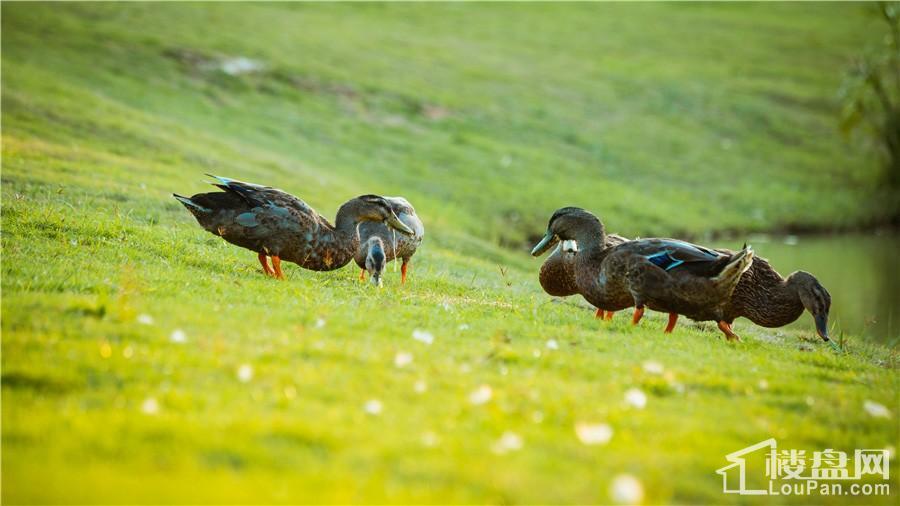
861, 272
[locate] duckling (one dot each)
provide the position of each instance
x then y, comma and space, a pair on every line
640, 273
276, 224
403, 247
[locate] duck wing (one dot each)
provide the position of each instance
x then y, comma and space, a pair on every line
670, 254
255, 195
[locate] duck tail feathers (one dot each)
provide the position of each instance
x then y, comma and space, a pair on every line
190, 204
731, 273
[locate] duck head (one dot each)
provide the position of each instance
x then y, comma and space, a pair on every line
376, 208
375, 260
815, 299
571, 225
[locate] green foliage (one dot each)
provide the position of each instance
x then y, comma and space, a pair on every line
487, 117
871, 94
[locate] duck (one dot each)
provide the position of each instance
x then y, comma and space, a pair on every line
375, 259
280, 226
557, 274
769, 300
393, 246
662, 274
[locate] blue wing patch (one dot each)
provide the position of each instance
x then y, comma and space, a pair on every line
664, 260
246, 220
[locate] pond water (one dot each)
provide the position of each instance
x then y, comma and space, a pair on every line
861, 272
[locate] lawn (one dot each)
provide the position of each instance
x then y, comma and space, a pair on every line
146, 361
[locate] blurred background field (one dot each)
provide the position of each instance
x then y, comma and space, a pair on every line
711, 122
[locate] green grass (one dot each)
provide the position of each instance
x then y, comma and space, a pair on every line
664, 119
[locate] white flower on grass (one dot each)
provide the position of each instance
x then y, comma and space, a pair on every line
403, 359
763, 384
593, 433
150, 406
178, 336
626, 489
536, 353
430, 439
877, 410
635, 397
420, 387
508, 442
552, 344
145, 319
481, 395
464, 326
373, 407
653, 367
423, 336
319, 323
245, 373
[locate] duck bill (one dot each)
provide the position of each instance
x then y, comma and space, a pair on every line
822, 330
546, 243
376, 279
394, 222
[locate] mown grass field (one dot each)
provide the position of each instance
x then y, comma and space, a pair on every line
663, 119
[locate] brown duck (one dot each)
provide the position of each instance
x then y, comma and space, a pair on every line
276, 224
557, 274
642, 273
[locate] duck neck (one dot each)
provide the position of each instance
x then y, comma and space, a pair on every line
766, 298
591, 240
344, 234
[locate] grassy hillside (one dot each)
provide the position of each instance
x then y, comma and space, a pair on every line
662, 118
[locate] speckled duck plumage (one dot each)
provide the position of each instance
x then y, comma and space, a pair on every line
557, 275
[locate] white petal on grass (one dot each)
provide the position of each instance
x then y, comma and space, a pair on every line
877, 410
635, 397
145, 319
593, 433
430, 439
763, 385
508, 442
552, 344
626, 489
245, 373
241, 65
423, 336
178, 336
464, 326
150, 406
653, 367
536, 353
373, 407
319, 323
481, 395
403, 359
420, 387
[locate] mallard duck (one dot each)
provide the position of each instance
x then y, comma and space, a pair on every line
276, 224
642, 273
393, 246
557, 275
